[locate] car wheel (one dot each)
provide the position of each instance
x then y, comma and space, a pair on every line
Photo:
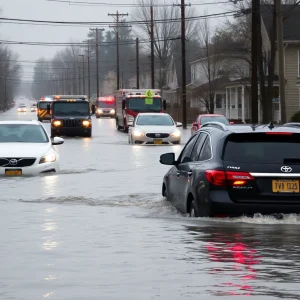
165, 193
88, 134
97, 117
53, 133
117, 124
194, 210
40, 120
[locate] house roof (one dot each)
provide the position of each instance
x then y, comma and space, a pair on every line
217, 84
291, 21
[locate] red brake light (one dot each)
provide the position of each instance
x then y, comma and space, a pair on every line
215, 177
279, 133
219, 178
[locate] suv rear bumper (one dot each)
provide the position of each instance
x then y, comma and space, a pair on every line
222, 204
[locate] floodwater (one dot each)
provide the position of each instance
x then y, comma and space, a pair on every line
101, 230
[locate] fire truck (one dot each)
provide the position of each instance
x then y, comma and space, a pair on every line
131, 102
105, 107
41, 111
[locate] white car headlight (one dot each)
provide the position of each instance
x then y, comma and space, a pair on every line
100, 111
176, 134
138, 133
51, 157
112, 111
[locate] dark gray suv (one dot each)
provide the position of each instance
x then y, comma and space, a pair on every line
230, 170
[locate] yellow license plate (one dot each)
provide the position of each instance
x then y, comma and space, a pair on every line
157, 142
285, 186
13, 172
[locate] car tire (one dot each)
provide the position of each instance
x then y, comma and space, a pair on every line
40, 120
97, 117
165, 193
194, 210
53, 134
117, 124
125, 129
88, 134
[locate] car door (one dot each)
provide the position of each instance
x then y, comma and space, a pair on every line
185, 171
174, 176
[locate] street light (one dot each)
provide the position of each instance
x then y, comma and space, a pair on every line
83, 79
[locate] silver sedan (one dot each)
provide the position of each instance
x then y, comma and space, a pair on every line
154, 129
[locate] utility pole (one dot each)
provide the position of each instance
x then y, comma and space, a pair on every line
152, 48
183, 63
89, 72
97, 62
83, 73
137, 64
254, 61
97, 58
117, 15
79, 80
281, 62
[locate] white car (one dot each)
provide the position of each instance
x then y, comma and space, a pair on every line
22, 108
26, 149
154, 129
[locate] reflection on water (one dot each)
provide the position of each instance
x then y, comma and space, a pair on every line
249, 260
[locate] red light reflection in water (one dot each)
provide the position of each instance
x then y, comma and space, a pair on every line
244, 258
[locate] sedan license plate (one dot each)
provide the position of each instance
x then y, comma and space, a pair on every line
285, 186
13, 172
158, 141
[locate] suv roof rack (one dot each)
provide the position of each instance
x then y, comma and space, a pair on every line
215, 124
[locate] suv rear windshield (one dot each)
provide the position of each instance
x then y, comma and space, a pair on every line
262, 148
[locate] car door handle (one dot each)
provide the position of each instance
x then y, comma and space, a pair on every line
190, 173
178, 173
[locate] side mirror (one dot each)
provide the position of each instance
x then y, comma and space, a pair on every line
48, 109
123, 104
195, 124
178, 124
93, 109
164, 105
57, 141
167, 159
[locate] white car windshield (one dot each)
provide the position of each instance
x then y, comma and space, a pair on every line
155, 120
22, 133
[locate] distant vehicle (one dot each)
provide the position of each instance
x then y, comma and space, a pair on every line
105, 107
26, 149
22, 108
205, 118
154, 129
231, 170
131, 102
33, 107
70, 116
42, 113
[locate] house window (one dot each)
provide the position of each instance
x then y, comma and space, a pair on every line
219, 101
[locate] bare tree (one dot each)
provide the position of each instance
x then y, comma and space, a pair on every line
165, 32
9, 77
211, 62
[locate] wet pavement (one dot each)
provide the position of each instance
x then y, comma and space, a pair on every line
101, 230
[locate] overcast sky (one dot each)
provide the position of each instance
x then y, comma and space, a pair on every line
57, 11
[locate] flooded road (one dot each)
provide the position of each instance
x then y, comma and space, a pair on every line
101, 230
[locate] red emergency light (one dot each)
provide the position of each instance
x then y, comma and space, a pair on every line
106, 99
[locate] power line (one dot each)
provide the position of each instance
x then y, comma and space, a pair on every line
111, 23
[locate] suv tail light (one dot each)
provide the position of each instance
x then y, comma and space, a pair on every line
220, 178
